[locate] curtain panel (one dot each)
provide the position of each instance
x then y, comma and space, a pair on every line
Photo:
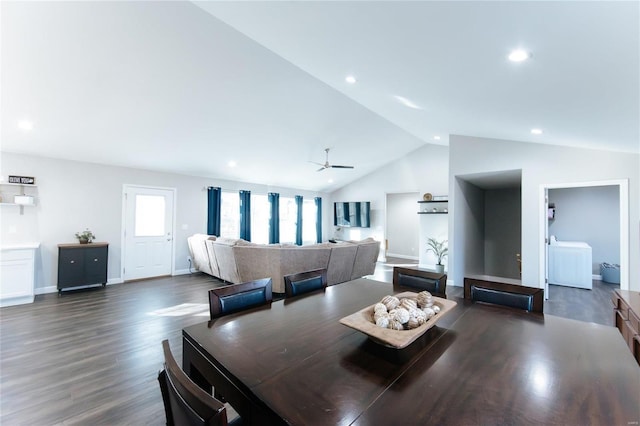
299, 220
245, 215
318, 201
274, 217
214, 201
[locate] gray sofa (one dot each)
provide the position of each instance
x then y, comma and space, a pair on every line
237, 261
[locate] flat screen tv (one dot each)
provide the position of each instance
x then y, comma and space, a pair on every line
352, 214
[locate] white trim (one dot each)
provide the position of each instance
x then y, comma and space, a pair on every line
54, 289
127, 186
402, 256
623, 185
183, 272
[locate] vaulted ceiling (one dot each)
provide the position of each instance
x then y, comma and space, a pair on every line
187, 87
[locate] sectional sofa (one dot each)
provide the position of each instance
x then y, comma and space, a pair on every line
236, 260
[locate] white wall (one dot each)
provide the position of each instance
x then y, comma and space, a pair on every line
423, 170
540, 165
592, 215
74, 195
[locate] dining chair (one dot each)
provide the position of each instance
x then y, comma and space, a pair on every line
184, 402
305, 282
238, 297
420, 279
530, 299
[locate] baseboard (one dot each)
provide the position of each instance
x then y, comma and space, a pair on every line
184, 272
402, 256
596, 277
54, 288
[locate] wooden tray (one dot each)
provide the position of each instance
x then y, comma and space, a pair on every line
363, 322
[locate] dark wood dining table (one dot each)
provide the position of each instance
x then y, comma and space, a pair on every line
292, 362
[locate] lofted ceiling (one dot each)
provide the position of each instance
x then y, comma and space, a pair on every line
186, 87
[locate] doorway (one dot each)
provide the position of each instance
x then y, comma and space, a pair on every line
402, 225
623, 208
148, 229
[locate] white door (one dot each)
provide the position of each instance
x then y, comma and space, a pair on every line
546, 243
148, 232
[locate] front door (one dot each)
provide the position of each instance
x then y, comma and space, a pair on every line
148, 232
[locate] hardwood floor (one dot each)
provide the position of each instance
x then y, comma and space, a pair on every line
92, 356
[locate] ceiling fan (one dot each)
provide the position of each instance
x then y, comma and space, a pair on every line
326, 164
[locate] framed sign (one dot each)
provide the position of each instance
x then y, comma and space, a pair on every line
23, 180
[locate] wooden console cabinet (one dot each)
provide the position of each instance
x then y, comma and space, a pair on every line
626, 309
82, 264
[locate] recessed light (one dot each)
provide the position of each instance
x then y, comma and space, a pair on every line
350, 79
330, 181
436, 137
232, 163
519, 55
536, 131
406, 102
25, 125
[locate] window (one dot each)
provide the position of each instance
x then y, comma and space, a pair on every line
259, 219
230, 215
288, 213
308, 221
149, 220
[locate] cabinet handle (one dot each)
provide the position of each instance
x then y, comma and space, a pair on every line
95, 260
73, 261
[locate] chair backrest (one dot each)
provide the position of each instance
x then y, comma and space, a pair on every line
238, 297
420, 279
184, 402
304, 282
515, 296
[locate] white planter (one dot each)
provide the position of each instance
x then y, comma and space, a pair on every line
439, 269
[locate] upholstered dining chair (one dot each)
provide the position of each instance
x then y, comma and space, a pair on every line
515, 296
305, 282
184, 402
420, 279
238, 297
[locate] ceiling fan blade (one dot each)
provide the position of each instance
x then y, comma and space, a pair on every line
321, 169
341, 167
319, 164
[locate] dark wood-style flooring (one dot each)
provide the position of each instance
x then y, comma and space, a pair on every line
91, 357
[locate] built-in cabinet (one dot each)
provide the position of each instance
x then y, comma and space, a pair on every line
626, 312
17, 272
82, 264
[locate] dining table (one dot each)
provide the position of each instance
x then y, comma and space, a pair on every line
293, 362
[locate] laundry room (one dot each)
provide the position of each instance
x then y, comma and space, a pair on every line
584, 233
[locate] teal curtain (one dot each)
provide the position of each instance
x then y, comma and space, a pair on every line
245, 215
299, 220
274, 217
214, 200
318, 201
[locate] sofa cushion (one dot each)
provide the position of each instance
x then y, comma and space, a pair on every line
343, 256
366, 258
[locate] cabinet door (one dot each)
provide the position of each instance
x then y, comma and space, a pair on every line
16, 273
95, 265
70, 267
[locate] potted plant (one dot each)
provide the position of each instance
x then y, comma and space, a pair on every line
440, 249
85, 237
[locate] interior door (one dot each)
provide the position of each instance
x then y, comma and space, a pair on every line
546, 243
148, 232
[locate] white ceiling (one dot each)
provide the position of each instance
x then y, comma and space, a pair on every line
186, 87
